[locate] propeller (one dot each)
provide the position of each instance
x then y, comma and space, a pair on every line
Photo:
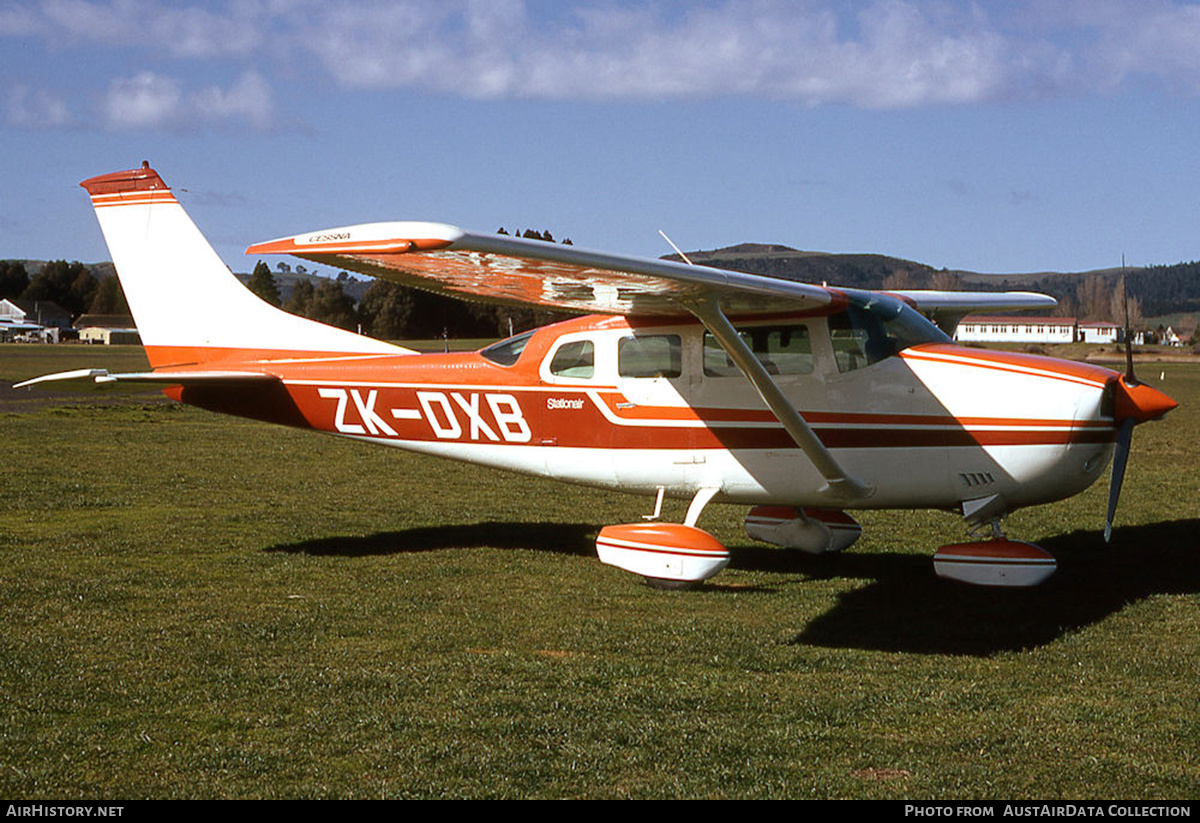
1134, 403
1120, 456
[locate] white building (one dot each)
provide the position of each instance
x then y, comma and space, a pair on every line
982, 328
16, 323
108, 329
1100, 331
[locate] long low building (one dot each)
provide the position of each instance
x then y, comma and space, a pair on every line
994, 329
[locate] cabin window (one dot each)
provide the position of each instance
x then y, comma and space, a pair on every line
651, 355
507, 351
576, 359
784, 349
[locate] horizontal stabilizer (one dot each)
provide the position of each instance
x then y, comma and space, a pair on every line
170, 378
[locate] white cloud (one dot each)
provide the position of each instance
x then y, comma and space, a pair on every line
878, 54
248, 100
145, 101
31, 108
899, 54
152, 101
199, 30
1161, 42
17, 21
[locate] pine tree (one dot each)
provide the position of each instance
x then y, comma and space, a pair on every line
262, 283
13, 279
109, 297
385, 310
332, 306
301, 297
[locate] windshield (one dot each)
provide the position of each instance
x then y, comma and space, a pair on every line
877, 329
507, 351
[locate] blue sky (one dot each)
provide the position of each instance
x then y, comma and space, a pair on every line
993, 136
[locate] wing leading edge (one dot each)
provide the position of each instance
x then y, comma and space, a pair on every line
498, 268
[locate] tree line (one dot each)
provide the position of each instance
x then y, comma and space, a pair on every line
390, 311
387, 310
71, 285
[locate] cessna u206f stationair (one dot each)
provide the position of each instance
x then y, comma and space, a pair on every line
797, 400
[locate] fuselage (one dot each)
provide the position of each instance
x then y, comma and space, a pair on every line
640, 405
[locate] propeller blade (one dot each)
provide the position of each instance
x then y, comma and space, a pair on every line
1120, 457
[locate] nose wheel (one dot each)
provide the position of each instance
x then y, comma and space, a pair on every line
996, 562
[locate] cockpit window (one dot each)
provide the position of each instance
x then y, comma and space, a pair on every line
652, 355
574, 359
782, 349
865, 334
508, 351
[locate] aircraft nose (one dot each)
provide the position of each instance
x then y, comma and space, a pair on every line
1139, 402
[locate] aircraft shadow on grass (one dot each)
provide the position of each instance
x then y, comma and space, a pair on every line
904, 607
562, 538
907, 608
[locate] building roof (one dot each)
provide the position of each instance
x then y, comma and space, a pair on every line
46, 307
105, 321
994, 319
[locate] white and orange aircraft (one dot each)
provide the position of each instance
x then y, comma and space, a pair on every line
797, 400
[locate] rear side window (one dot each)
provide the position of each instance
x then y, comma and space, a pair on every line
652, 355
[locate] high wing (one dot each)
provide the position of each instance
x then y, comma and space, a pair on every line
947, 308
497, 268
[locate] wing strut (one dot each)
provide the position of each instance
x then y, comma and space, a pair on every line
841, 487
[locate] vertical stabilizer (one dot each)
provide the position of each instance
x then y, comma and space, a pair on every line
188, 305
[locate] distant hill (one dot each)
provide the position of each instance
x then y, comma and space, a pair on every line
97, 270
857, 271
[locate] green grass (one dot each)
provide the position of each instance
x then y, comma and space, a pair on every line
198, 606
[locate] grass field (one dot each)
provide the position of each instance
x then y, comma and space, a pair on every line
198, 606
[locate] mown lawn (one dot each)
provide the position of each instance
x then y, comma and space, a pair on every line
197, 606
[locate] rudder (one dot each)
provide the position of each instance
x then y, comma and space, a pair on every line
188, 306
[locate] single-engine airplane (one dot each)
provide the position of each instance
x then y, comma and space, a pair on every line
799, 401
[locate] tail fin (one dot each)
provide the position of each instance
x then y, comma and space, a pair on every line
188, 306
